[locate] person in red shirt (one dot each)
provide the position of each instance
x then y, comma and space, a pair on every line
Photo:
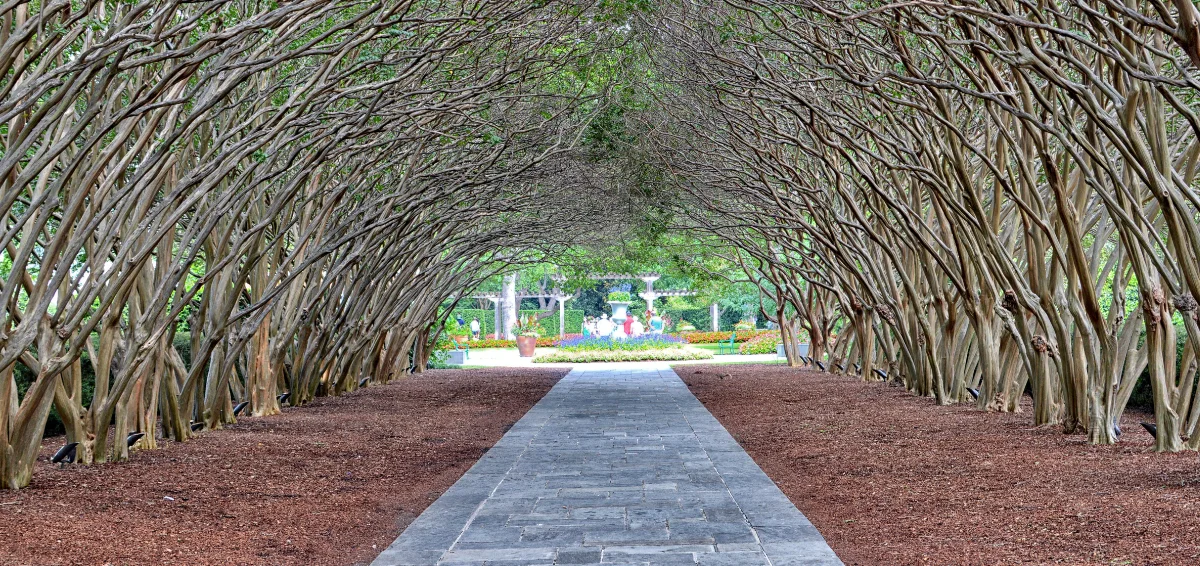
628, 325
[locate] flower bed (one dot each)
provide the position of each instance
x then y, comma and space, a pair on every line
544, 342
586, 356
714, 337
764, 343
647, 342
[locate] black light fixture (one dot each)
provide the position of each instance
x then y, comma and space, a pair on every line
1151, 428
65, 455
821, 365
197, 426
841, 367
133, 438
363, 382
237, 409
283, 397
974, 392
857, 368
882, 374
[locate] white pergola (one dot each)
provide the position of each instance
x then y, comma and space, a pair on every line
650, 294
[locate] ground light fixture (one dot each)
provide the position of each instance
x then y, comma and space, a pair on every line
974, 393
283, 397
1151, 428
65, 455
237, 409
197, 426
133, 438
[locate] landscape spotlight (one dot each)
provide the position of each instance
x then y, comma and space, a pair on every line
197, 426
133, 438
974, 392
363, 382
882, 374
283, 397
1151, 428
821, 365
66, 454
237, 409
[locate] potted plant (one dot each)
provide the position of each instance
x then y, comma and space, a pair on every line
619, 301
527, 334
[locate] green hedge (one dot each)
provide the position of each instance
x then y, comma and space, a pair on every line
549, 324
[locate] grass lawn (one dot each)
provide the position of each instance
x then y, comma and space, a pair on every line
714, 348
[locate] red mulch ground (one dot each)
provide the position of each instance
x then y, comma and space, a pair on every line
893, 479
331, 483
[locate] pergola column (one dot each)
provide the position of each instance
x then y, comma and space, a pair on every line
562, 314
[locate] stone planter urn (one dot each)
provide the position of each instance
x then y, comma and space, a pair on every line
526, 345
620, 311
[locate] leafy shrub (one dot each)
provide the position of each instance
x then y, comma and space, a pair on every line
453, 328
743, 325
619, 297
670, 354
764, 343
685, 326
714, 337
648, 342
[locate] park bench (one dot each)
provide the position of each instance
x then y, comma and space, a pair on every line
729, 345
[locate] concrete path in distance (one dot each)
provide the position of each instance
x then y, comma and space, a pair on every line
617, 464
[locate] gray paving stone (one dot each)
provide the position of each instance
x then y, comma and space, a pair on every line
618, 464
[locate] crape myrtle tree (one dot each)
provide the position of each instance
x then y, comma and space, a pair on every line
301, 185
971, 189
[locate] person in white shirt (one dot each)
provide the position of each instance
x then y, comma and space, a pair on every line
475, 328
637, 328
605, 327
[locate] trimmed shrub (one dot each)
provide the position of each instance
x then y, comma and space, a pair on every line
548, 325
670, 354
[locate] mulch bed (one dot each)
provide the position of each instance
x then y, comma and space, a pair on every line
330, 483
893, 479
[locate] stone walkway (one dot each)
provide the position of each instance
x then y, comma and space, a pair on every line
618, 464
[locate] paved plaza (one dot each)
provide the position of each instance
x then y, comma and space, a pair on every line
618, 464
